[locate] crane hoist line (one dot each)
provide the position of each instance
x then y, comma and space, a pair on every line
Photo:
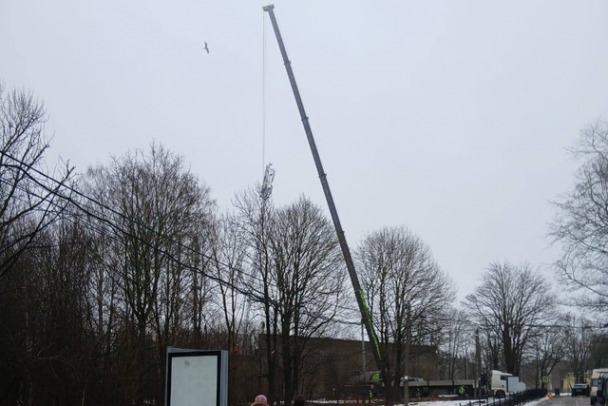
365, 313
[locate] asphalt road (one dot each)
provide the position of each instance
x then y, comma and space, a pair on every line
567, 400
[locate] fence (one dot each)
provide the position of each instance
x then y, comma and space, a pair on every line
511, 400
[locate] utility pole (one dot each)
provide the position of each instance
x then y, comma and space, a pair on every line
408, 338
477, 364
362, 346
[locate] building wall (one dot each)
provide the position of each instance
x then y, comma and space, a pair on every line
327, 369
329, 364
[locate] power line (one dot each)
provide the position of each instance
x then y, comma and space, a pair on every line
117, 231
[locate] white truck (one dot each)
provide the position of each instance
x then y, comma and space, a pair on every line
596, 376
504, 383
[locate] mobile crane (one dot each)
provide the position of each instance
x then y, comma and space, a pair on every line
365, 313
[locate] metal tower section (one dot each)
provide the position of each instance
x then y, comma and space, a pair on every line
365, 313
266, 189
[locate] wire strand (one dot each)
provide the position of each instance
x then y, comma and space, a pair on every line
263, 92
115, 231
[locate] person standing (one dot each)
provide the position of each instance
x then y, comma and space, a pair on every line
299, 401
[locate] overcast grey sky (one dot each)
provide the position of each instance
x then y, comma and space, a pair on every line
451, 118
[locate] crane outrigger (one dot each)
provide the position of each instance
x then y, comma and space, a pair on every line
365, 313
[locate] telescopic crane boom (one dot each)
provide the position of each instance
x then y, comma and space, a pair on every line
365, 313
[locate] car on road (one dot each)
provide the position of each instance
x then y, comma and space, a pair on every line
580, 389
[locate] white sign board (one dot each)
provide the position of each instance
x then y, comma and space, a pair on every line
196, 377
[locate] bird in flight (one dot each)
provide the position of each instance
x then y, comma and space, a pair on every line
206, 47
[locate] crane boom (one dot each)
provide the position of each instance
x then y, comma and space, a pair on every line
365, 313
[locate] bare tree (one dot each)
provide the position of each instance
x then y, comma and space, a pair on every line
255, 214
158, 213
42, 328
230, 261
599, 350
104, 318
578, 339
510, 305
457, 334
307, 276
295, 279
546, 349
29, 199
405, 289
581, 227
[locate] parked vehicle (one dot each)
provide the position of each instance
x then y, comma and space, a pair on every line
580, 389
596, 374
503, 383
418, 387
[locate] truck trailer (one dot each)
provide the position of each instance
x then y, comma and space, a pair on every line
504, 383
596, 379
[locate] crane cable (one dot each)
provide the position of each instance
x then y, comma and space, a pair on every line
263, 93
